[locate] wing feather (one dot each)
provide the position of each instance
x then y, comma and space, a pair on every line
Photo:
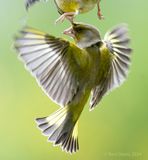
29, 3
53, 62
117, 42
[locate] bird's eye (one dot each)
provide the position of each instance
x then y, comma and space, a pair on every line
79, 30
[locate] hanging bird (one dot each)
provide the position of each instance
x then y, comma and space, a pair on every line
70, 8
69, 72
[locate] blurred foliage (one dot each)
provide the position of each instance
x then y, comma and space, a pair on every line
116, 130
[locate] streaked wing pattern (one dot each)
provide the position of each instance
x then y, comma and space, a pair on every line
49, 60
117, 41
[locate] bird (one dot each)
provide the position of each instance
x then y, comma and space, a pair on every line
70, 8
69, 71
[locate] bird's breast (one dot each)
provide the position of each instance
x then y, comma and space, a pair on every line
104, 64
67, 5
86, 5
99, 61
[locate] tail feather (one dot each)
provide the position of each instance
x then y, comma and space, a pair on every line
71, 142
60, 129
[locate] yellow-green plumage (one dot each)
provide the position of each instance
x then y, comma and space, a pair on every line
69, 8
69, 72
80, 6
70, 5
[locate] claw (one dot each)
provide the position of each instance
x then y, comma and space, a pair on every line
101, 17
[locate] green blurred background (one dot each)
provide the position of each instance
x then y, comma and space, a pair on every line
116, 130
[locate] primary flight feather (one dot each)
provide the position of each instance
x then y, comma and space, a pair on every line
69, 72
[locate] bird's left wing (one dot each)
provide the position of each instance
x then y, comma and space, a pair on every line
117, 43
56, 63
29, 3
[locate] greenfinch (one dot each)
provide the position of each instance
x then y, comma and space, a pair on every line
70, 8
68, 72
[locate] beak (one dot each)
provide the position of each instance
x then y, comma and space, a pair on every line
69, 32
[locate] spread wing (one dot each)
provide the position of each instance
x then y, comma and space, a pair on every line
56, 64
117, 42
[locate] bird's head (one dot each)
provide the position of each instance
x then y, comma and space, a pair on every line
84, 35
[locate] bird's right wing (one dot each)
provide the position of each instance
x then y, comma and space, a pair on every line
56, 64
117, 43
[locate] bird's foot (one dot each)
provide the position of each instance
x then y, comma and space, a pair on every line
69, 32
101, 17
68, 15
99, 11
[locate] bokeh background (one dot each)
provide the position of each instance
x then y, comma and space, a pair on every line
116, 130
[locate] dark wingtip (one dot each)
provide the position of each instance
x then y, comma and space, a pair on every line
29, 3
27, 7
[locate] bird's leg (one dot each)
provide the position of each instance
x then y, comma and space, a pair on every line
99, 11
68, 15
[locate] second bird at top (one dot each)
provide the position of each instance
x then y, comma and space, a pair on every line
70, 8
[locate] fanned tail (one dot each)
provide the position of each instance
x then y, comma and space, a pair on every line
60, 129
